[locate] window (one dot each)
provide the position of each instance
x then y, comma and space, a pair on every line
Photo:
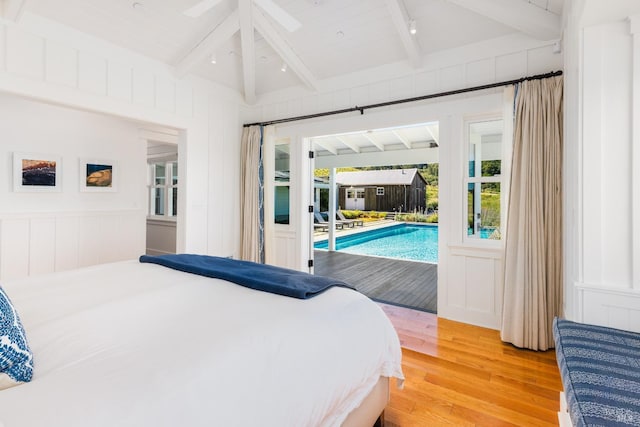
379, 191
163, 189
483, 179
281, 185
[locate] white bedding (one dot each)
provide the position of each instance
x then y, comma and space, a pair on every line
130, 344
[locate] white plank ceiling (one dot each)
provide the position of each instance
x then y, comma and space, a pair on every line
251, 39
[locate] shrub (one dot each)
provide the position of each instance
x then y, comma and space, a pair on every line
352, 214
416, 217
376, 215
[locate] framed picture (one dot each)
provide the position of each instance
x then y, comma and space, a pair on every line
37, 172
98, 175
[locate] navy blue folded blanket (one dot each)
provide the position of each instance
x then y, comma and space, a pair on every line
262, 277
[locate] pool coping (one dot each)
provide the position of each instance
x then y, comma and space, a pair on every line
356, 230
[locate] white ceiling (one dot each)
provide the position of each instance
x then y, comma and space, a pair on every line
378, 140
336, 37
413, 137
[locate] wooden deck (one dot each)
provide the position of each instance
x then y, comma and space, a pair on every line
404, 283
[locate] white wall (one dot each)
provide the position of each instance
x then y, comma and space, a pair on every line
601, 166
43, 232
48, 62
469, 275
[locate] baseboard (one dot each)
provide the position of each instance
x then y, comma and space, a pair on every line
151, 251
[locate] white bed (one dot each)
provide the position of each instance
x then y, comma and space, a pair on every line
130, 344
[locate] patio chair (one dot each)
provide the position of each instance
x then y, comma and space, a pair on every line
353, 222
321, 227
319, 220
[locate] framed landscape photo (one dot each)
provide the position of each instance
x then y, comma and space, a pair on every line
37, 172
98, 175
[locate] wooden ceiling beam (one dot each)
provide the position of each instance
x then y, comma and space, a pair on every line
326, 146
13, 9
247, 41
282, 48
402, 139
349, 144
206, 47
373, 141
520, 15
401, 19
279, 14
435, 134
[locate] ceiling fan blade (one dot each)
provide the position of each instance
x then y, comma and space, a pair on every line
279, 14
199, 8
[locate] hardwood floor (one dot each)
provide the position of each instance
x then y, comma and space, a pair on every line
463, 375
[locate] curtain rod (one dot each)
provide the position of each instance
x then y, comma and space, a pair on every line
405, 100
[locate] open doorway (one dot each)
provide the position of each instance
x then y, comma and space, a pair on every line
162, 194
386, 206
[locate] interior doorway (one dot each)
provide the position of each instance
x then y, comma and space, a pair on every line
162, 196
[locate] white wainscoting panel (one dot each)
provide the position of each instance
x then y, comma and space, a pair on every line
473, 287
40, 243
285, 249
479, 72
184, 99
92, 75
88, 246
119, 81
14, 248
25, 53
165, 94
401, 88
511, 66
67, 245
615, 308
452, 78
541, 59
61, 64
3, 50
379, 92
144, 87
480, 282
427, 82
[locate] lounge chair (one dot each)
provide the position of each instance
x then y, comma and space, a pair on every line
321, 227
353, 222
320, 221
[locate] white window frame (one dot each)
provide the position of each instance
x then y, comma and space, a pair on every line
167, 188
277, 183
379, 191
475, 240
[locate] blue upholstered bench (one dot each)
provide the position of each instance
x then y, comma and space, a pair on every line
600, 370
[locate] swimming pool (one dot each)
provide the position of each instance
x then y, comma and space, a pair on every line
414, 242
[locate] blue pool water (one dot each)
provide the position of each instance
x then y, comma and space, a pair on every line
404, 241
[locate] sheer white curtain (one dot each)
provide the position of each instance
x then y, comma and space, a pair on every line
251, 195
533, 247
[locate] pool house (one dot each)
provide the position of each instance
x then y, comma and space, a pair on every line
385, 190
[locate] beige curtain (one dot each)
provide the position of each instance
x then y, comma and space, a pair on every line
251, 196
533, 248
